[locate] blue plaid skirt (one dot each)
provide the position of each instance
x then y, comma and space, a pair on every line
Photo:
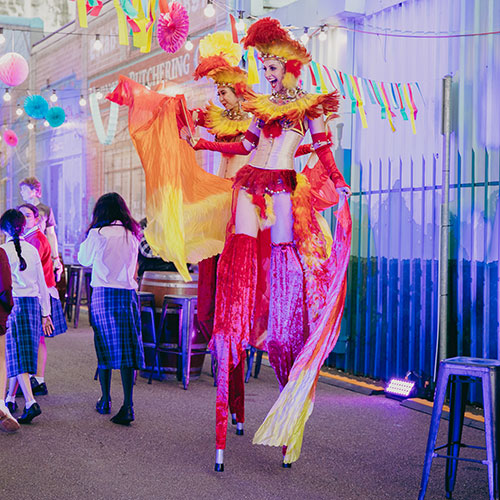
57, 316
24, 328
117, 328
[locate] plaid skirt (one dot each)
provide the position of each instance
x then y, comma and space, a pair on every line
57, 316
24, 328
117, 328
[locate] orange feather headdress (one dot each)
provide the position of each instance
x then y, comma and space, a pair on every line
274, 42
219, 59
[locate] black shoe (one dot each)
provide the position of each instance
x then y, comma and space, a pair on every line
38, 389
124, 416
29, 414
103, 407
286, 466
11, 406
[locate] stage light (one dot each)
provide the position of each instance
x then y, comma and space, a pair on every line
400, 388
240, 24
322, 34
189, 44
30, 125
19, 111
7, 97
209, 10
53, 97
2, 37
97, 43
305, 37
82, 102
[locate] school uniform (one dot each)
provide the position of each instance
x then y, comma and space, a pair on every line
111, 251
31, 301
36, 238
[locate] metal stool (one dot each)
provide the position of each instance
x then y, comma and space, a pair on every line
250, 359
461, 371
185, 307
77, 277
148, 327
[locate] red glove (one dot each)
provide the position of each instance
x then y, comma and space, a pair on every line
305, 149
321, 145
229, 148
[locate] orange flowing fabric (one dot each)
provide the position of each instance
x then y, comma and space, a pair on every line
187, 208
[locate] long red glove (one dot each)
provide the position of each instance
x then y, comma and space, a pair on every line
321, 145
229, 148
305, 149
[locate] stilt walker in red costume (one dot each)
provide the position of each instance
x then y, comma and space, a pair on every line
307, 273
219, 59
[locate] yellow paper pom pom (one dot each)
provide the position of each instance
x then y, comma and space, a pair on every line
221, 43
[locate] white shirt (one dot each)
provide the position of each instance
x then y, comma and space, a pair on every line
112, 253
31, 281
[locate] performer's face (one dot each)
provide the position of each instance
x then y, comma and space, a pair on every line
31, 220
27, 194
274, 71
227, 97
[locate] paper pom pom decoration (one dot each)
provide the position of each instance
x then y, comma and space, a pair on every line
10, 137
55, 116
13, 69
36, 106
173, 27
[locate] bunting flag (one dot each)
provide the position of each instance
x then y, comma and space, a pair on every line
253, 74
105, 137
390, 97
122, 23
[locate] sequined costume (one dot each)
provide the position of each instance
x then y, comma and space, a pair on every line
307, 275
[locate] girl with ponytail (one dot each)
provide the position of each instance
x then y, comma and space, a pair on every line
30, 315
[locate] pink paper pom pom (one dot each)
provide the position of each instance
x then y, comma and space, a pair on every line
173, 28
13, 69
10, 137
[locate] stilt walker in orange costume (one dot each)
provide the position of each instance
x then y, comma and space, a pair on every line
219, 59
307, 272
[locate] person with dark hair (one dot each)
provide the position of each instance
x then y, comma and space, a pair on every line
111, 248
31, 192
33, 235
7, 422
31, 304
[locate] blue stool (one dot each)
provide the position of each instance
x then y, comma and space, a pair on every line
461, 371
251, 353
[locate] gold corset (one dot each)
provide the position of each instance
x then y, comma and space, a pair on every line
276, 153
229, 165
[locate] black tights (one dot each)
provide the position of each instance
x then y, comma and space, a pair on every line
127, 382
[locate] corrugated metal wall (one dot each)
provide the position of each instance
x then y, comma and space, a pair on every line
391, 311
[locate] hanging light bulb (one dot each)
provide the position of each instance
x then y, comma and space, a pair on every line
322, 34
305, 37
209, 10
189, 44
98, 95
82, 102
7, 97
97, 43
2, 37
53, 97
30, 125
19, 111
240, 24
46, 123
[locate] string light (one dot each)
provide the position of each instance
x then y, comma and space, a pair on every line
30, 125
322, 34
82, 102
97, 43
209, 10
53, 97
305, 37
240, 24
7, 97
46, 123
19, 110
189, 44
98, 95
2, 37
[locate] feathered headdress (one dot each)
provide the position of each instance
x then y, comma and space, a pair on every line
274, 42
219, 59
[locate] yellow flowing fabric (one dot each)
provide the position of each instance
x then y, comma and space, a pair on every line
187, 208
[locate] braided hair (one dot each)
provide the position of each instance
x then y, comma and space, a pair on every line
12, 222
